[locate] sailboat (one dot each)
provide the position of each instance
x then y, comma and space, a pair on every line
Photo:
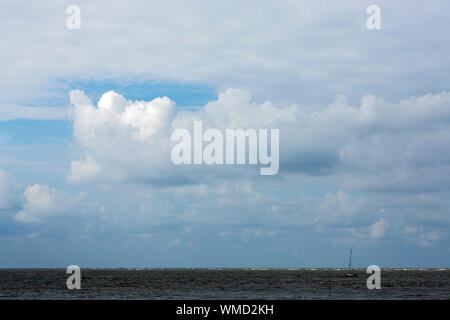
350, 274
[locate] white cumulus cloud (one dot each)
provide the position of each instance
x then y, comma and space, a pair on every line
41, 201
378, 229
377, 145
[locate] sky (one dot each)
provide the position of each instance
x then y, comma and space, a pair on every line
86, 117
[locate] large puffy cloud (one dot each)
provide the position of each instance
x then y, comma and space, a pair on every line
123, 139
126, 140
376, 146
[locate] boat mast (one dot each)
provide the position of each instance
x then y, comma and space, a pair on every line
350, 262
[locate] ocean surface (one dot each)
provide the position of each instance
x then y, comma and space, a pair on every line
298, 284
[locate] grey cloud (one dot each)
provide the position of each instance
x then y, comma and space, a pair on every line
287, 50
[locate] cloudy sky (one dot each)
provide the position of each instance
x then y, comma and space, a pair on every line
86, 117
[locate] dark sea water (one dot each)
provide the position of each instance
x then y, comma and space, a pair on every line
277, 284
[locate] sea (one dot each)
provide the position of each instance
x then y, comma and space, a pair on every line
225, 284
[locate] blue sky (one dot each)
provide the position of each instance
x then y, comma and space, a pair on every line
364, 120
